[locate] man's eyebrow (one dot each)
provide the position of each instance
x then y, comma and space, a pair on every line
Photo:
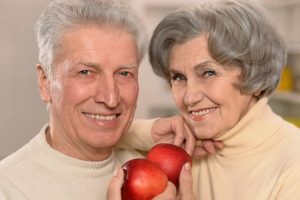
129, 66
97, 65
89, 64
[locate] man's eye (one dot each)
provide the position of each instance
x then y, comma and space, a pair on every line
85, 72
124, 73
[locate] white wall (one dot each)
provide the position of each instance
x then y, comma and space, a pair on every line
22, 111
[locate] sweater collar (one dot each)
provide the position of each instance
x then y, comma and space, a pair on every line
60, 162
253, 133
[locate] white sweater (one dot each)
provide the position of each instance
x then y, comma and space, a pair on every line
38, 172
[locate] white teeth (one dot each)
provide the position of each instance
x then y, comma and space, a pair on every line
101, 117
203, 112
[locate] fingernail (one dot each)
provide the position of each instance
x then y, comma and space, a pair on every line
116, 172
187, 166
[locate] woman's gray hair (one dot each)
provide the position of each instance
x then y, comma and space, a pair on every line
240, 32
62, 15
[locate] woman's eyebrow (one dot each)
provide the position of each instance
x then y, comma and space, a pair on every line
205, 64
197, 66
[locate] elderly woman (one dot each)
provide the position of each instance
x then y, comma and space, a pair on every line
223, 60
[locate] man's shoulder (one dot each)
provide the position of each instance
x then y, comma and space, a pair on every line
13, 159
23, 153
18, 158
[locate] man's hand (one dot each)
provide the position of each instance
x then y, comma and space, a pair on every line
115, 185
174, 130
185, 190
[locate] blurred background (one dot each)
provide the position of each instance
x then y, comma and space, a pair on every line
23, 113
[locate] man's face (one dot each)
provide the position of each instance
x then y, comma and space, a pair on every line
93, 92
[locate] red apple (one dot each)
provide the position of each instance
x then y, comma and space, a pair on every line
170, 158
143, 180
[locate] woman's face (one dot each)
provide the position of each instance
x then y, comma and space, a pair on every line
204, 90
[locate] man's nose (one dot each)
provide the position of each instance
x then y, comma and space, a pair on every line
107, 92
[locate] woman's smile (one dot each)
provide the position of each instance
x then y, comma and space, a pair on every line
202, 114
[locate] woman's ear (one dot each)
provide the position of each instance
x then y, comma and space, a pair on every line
257, 94
43, 83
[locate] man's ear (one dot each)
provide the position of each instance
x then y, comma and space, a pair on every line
43, 83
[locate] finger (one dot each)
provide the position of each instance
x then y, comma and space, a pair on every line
219, 144
179, 128
190, 141
206, 147
209, 146
168, 194
186, 183
115, 185
199, 153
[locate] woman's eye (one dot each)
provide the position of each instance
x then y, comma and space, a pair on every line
177, 77
209, 73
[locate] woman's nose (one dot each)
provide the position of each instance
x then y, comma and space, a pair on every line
193, 94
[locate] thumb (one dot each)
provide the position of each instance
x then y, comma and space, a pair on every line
186, 183
115, 185
168, 193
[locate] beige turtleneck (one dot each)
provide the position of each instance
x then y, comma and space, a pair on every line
260, 160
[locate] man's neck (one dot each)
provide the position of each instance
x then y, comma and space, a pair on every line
87, 154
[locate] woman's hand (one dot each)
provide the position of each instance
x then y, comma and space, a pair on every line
168, 194
175, 131
185, 191
206, 147
186, 184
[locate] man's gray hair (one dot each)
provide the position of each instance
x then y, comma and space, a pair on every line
61, 15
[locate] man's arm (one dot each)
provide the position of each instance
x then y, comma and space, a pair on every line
144, 134
139, 135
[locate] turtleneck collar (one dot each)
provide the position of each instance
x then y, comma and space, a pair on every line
253, 132
60, 162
